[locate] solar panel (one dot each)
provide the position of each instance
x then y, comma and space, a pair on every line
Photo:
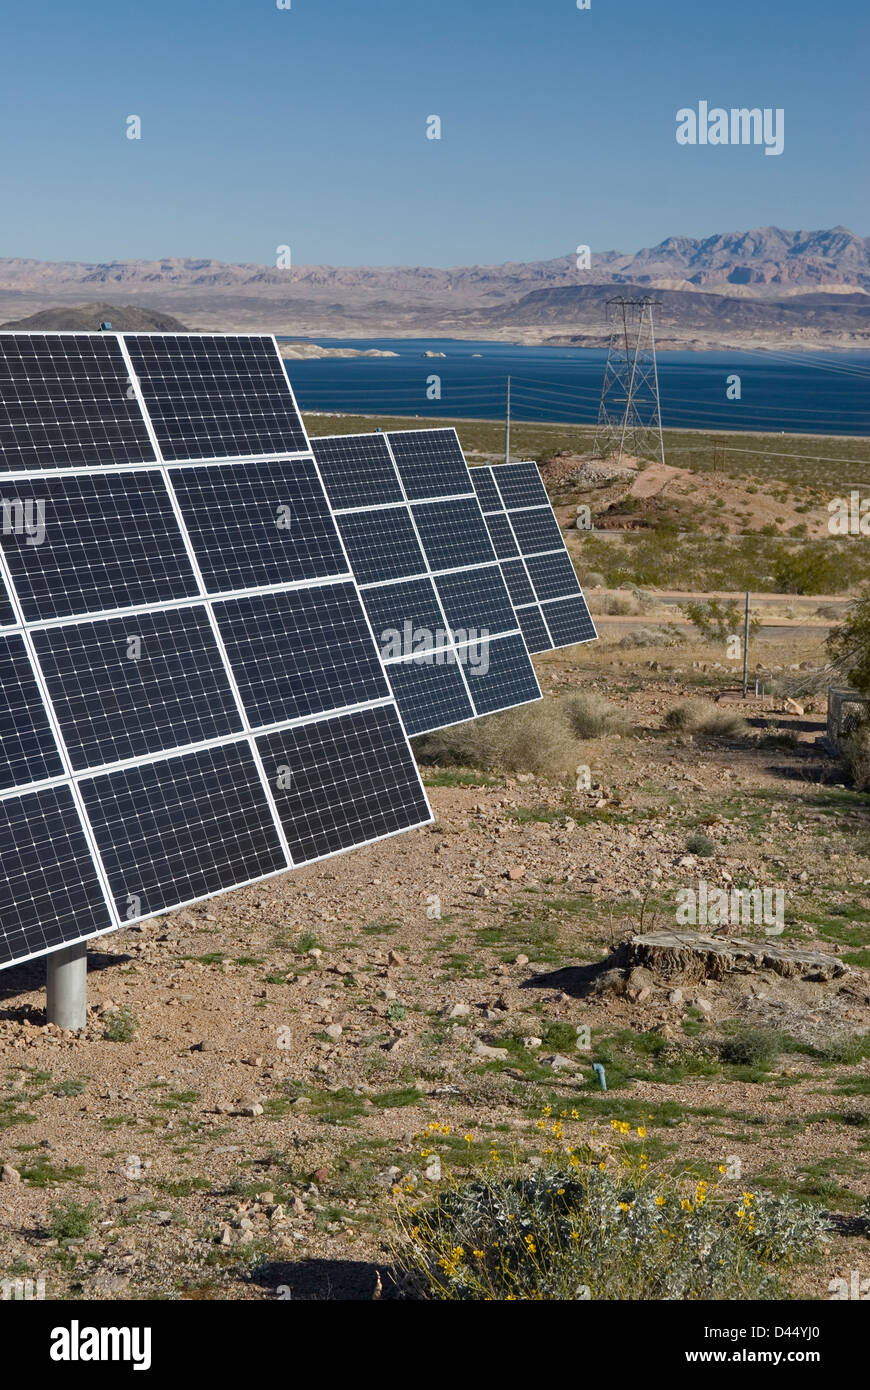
429, 575
535, 563
258, 524
66, 399
110, 540
215, 397
190, 692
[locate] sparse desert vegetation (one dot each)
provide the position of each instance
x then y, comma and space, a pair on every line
276, 1087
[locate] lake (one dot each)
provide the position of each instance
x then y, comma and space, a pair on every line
796, 393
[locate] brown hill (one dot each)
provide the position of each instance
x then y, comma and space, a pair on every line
127, 318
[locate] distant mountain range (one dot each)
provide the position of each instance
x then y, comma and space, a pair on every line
795, 289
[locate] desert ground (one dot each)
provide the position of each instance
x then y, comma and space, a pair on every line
254, 1096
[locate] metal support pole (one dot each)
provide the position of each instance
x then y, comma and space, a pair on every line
66, 986
746, 648
507, 425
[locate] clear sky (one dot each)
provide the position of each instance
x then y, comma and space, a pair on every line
307, 126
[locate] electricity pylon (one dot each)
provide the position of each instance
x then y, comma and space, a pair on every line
629, 416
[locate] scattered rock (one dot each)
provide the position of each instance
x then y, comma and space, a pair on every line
558, 1062
9, 1174
481, 1049
334, 1030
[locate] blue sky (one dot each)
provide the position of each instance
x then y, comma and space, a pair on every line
307, 127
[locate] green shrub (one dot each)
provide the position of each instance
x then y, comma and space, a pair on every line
592, 1229
120, 1025
701, 845
750, 1047
70, 1220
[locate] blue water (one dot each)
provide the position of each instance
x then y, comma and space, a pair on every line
800, 393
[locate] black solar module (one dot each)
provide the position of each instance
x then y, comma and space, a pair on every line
125, 687
500, 674
513, 496
167, 617
257, 524
343, 781
398, 611
28, 752
430, 463
300, 652
209, 397
357, 470
426, 689
50, 892
437, 542
381, 544
109, 540
172, 831
66, 400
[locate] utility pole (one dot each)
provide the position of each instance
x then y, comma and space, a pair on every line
629, 414
507, 425
746, 648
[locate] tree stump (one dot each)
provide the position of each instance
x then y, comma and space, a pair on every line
691, 955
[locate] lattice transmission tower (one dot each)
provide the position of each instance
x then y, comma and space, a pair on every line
629, 416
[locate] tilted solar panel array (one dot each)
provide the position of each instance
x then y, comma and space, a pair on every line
190, 693
418, 544
535, 563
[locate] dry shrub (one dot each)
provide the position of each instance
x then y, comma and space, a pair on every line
590, 716
855, 755
544, 738
699, 717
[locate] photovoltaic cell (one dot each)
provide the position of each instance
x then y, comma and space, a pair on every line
28, 751
569, 621
430, 463
257, 524
110, 540
216, 397
502, 537
125, 687
347, 780
427, 690
505, 678
520, 485
300, 652
66, 400
357, 470
536, 530
399, 611
182, 828
487, 492
534, 629
476, 601
381, 544
50, 892
553, 576
454, 534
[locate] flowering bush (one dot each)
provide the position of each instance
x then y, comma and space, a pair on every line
597, 1225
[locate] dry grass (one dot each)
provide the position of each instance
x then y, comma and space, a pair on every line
545, 738
700, 717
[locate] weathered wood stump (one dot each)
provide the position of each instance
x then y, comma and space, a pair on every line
692, 956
